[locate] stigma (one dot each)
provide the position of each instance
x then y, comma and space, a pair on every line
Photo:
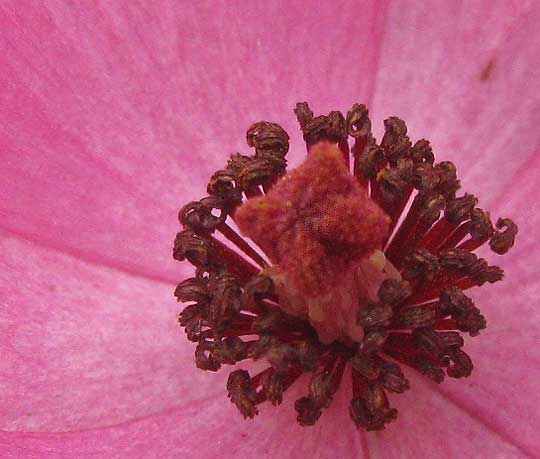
358, 260
324, 236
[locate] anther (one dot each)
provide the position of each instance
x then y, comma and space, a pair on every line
461, 308
394, 291
421, 152
242, 393
268, 139
309, 411
370, 161
272, 384
358, 122
395, 142
459, 209
414, 317
421, 264
503, 239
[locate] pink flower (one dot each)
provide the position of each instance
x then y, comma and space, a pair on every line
114, 115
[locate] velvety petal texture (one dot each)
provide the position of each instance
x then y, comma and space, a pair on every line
114, 114
84, 345
467, 85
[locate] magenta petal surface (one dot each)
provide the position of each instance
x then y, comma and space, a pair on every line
206, 430
85, 346
114, 114
465, 76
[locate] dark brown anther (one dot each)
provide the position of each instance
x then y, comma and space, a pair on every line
426, 178
414, 317
395, 142
450, 340
462, 365
481, 228
191, 247
286, 358
229, 350
332, 128
268, 139
260, 287
373, 341
431, 209
193, 329
459, 209
393, 291
225, 297
256, 172
428, 340
421, 264
394, 182
462, 309
242, 393
394, 129
320, 389
262, 346
190, 313
222, 184
308, 411
358, 122
429, 369
192, 290
372, 411
272, 384
448, 181
503, 239
392, 378
481, 273
303, 113
472, 323
367, 366
204, 358
237, 162
371, 160
400, 150
374, 315
421, 152
457, 260
337, 127
199, 215
276, 163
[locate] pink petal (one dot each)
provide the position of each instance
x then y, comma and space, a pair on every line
114, 115
430, 426
465, 76
86, 346
504, 387
204, 430
109, 96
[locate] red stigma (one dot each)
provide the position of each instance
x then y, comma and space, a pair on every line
315, 222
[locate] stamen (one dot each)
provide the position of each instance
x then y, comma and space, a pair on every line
343, 291
503, 240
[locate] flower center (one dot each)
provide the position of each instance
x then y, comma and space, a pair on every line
333, 312
352, 283
324, 236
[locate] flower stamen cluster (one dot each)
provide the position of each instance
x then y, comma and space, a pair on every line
342, 283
